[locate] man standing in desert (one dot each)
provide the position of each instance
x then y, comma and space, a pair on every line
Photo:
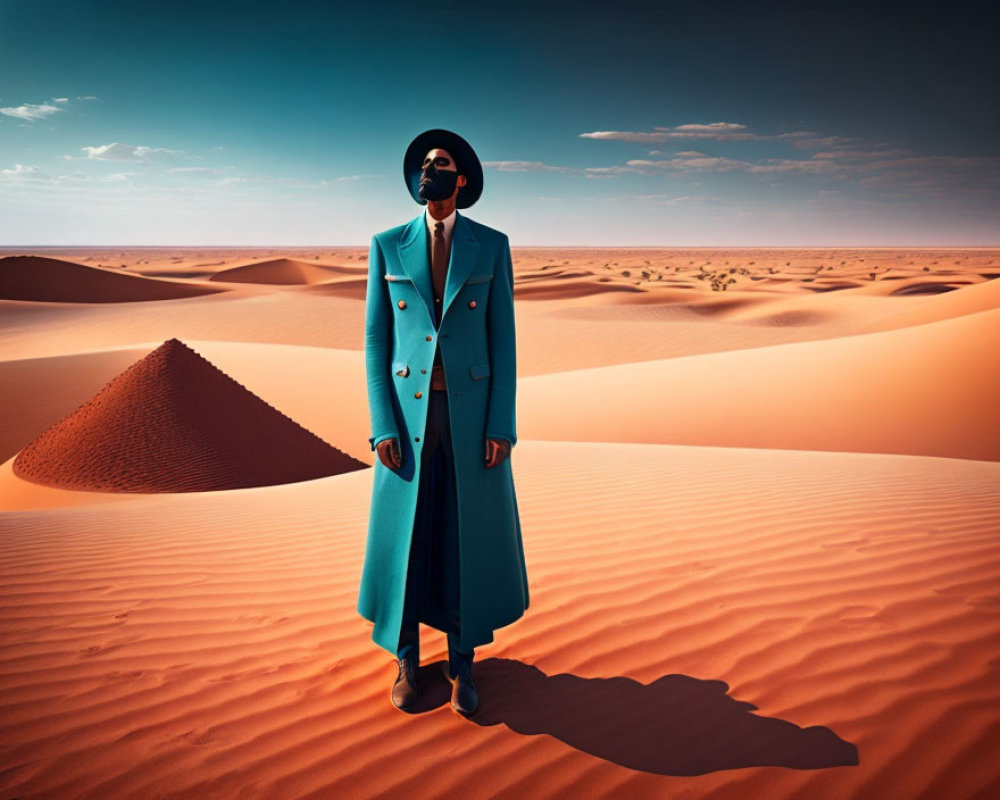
444, 536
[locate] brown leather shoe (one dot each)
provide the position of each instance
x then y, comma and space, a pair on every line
464, 697
404, 690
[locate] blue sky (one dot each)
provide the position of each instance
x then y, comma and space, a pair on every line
666, 124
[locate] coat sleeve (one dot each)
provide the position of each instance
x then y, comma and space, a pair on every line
378, 349
500, 422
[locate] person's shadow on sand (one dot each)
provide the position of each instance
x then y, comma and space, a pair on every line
676, 725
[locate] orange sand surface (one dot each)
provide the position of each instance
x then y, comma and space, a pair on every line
759, 492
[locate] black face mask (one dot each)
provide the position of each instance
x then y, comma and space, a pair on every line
437, 184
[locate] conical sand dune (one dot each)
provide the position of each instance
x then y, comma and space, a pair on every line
173, 422
52, 280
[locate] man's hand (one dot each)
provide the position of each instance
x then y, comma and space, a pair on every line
496, 451
388, 453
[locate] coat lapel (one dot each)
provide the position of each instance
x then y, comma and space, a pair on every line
464, 254
414, 256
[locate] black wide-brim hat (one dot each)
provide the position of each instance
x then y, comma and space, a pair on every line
461, 151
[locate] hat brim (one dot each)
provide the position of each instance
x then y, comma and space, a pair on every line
461, 151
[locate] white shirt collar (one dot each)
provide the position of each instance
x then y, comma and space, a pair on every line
449, 223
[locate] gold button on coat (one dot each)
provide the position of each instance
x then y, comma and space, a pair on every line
429, 338
401, 304
419, 394
472, 304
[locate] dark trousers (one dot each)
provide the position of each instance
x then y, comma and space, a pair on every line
432, 581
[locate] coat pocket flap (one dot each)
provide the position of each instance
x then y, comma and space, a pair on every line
390, 277
478, 278
400, 368
479, 371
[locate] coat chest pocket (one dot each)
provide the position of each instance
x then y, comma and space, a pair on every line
402, 291
475, 292
399, 283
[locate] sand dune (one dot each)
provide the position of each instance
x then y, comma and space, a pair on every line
717, 622
173, 422
924, 390
552, 281
549, 334
760, 525
563, 288
52, 280
350, 288
283, 271
247, 313
45, 390
970, 300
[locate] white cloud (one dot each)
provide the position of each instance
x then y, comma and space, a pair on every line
626, 136
866, 164
664, 199
538, 166
720, 131
194, 170
792, 165
126, 152
31, 112
813, 142
712, 127
524, 166
831, 154
20, 172
717, 131
721, 164
976, 163
608, 172
715, 164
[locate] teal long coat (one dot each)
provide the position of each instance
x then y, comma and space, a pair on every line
478, 351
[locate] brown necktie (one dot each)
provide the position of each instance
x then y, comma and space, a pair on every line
439, 264
439, 271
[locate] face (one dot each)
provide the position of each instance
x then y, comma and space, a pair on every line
440, 158
439, 178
